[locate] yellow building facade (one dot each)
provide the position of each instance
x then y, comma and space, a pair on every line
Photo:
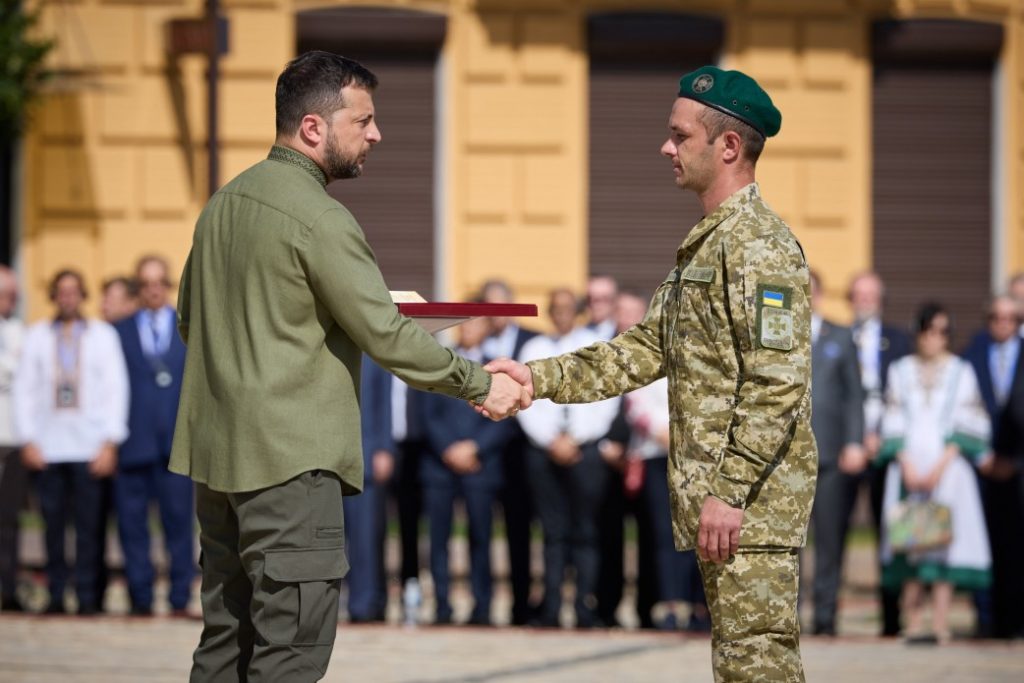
114, 165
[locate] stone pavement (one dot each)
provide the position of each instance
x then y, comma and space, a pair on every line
37, 649
115, 649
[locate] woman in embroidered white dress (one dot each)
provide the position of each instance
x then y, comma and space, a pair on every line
934, 423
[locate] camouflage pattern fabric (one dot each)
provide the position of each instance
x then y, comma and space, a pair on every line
754, 633
731, 328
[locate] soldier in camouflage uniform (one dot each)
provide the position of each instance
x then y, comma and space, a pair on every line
730, 327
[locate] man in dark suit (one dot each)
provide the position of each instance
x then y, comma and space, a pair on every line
837, 418
878, 345
995, 355
365, 516
463, 459
156, 361
506, 341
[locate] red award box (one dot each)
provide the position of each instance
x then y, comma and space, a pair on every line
434, 317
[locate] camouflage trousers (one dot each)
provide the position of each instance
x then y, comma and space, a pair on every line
755, 635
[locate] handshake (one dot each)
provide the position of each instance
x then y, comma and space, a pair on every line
511, 389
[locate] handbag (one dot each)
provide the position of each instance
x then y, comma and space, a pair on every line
919, 525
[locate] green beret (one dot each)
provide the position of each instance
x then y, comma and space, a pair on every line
733, 93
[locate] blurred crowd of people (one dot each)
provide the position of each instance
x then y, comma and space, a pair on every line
897, 415
87, 412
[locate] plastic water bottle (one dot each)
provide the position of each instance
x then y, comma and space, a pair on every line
411, 599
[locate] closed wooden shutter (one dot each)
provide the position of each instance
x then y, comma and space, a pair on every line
394, 198
932, 146
637, 215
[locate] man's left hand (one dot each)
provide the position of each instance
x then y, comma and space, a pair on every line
718, 536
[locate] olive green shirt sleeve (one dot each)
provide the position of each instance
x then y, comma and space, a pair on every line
345, 278
185, 298
605, 369
774, 383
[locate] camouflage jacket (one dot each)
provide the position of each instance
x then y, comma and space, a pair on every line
731, 328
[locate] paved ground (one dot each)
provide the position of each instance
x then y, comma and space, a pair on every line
115, 650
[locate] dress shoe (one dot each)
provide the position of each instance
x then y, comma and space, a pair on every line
184, 613
479, 620
11, 603
141, 611
55, 609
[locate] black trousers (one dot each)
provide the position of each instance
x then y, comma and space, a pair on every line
409, 499
13, 487
568, 502
830, 519
888, 597
58, 485
517, 506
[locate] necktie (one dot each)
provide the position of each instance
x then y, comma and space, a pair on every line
157, 346
1002, 388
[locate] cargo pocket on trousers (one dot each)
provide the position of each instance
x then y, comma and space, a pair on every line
301, 589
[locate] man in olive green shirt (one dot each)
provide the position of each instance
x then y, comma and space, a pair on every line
279, 297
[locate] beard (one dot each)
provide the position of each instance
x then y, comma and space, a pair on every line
338, 166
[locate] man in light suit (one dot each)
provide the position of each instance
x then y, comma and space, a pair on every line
995, 355
837, 419
156, 362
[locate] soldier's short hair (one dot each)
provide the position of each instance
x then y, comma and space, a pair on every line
312, 83
716, 123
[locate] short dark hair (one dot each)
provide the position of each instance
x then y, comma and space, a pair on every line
926, 315
716, 123
157, 259
312, 83
129, 284
73, 274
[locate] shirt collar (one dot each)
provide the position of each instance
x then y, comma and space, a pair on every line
288, 155
732, 203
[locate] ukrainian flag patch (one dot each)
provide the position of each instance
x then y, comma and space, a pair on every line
773, 299
775, 317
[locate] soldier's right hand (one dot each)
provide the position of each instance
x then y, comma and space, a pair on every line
507, 397
517, 371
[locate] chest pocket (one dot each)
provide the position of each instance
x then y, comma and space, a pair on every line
696, 315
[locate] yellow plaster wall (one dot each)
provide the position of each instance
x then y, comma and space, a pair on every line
115, 159
115, 162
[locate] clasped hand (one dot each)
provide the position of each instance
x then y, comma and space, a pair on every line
511, 389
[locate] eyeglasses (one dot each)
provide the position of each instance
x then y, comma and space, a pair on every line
143, 284
1003, 317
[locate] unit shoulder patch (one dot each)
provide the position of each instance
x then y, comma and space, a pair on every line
775, 317
705, 274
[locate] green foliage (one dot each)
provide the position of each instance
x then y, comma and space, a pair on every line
21, 66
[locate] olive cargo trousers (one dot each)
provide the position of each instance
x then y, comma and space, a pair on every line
272, 564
